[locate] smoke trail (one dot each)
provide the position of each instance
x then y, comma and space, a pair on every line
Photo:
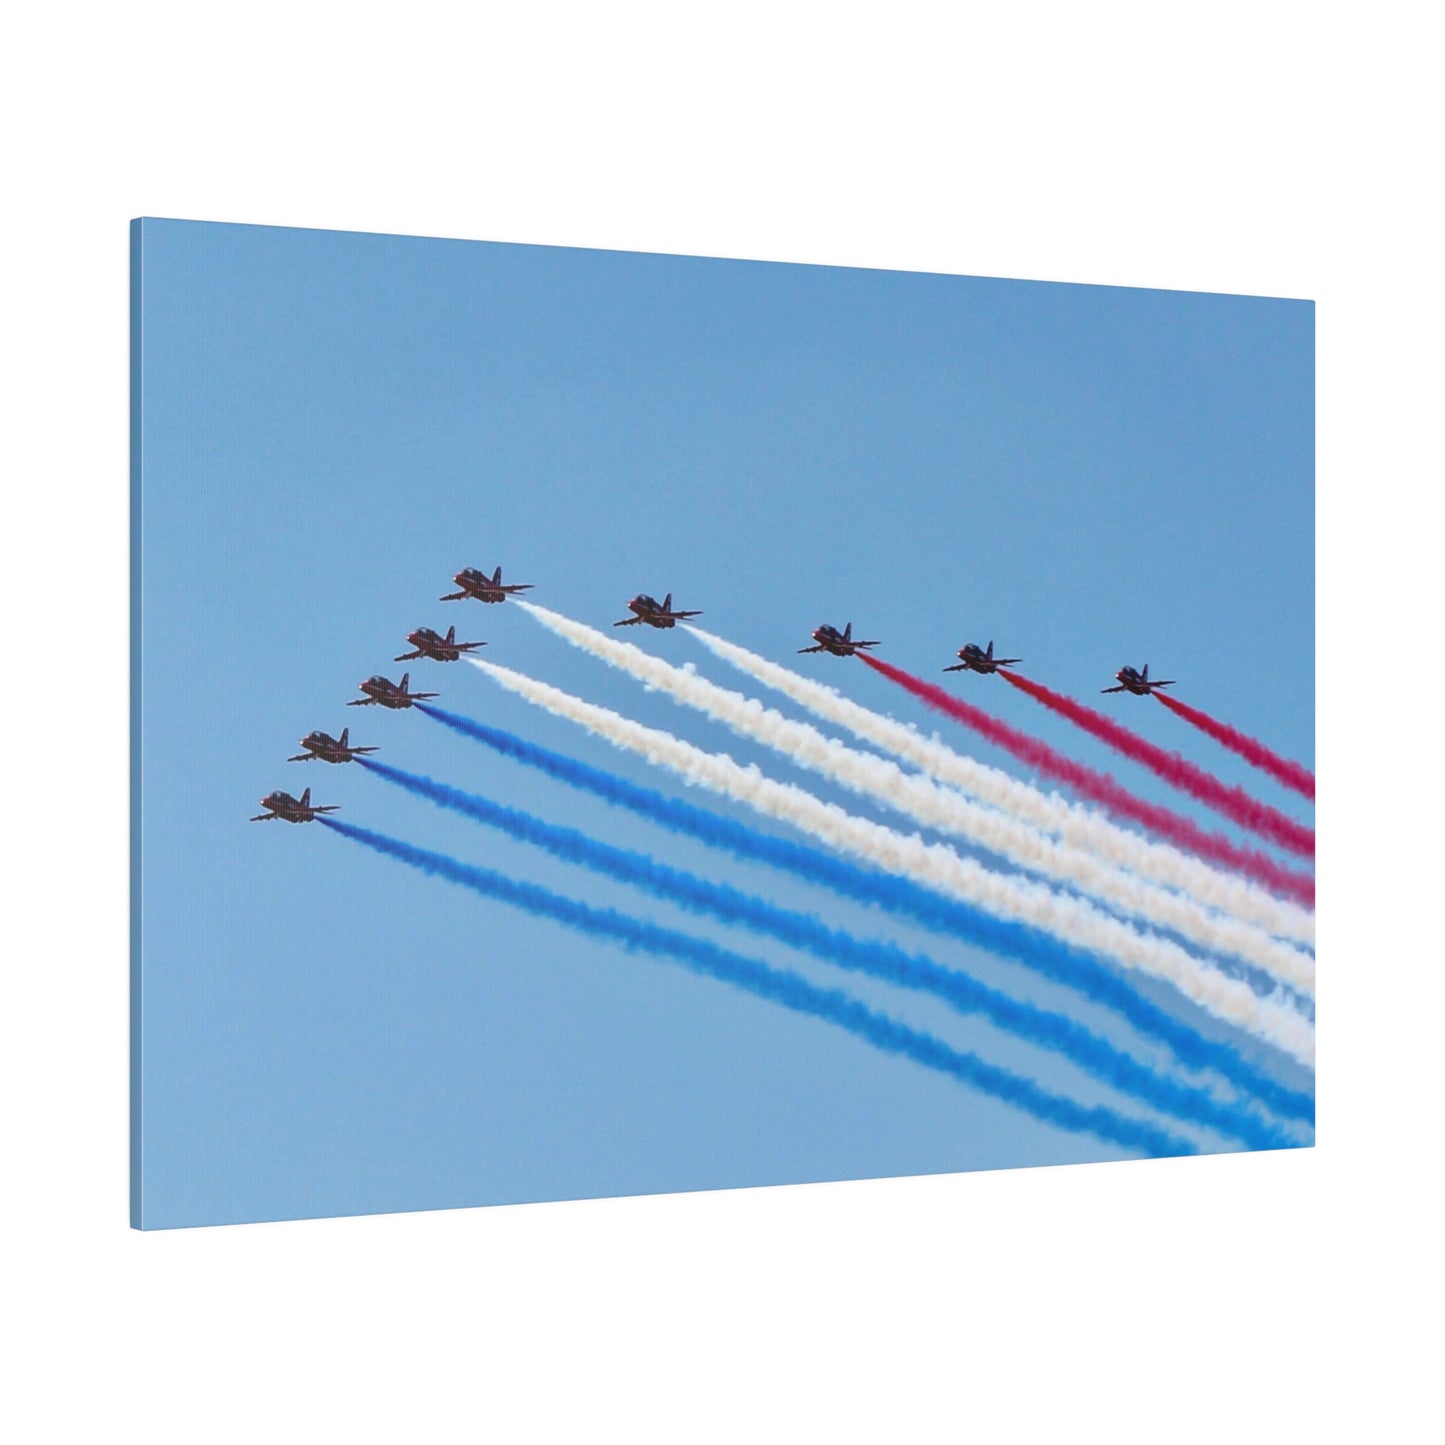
1073, 823
880, 960
1100, 787
782, 987
1053, 960
1292, 775
1070, 920
1233, 803
927, 803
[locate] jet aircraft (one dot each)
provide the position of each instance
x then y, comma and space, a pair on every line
389, 694
654, 613
975, 659
327, 749
289, 809
1137, 682
840, 644
432, 644
475, 583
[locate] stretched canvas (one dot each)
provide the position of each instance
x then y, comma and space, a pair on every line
611, 723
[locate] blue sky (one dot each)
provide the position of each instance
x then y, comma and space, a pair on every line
333, 424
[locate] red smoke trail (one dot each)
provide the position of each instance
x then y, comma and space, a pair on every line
1101, 788
1234, 803
1292, 775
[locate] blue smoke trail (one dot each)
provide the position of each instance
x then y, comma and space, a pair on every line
784, 988
881, 960
1053, 959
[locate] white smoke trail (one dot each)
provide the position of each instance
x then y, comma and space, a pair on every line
924, 801
934, 865
1074, 824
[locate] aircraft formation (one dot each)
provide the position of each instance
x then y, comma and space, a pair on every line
475, 584
379, 691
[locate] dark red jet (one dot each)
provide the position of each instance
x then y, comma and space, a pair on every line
435, 646
389, 694
327, 749
289, 809
1136, 682
975, 659
840, 644
475, 583
654, 613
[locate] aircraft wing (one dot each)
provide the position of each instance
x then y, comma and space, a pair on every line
818, 648
422, 696
958, 667
628, 622
361, 750
454, 596
329, 808
265, 817
302, 758
463, 646
685, 614
407, 656
1120, 688
361, 702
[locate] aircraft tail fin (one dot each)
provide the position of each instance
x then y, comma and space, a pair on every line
451, 634
497, 577
344, 734
1145, 674
848, 633
990, 647
306, 798
667, 603
405, 680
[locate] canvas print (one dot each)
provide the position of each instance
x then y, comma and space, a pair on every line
611, 723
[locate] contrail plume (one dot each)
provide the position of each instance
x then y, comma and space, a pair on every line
924, 801
1292, 775
935, 866
1046, 956
1177, 771
885, 961
1101, 788
781, 987
1160, 862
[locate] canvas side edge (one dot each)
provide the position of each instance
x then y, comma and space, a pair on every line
137, 1197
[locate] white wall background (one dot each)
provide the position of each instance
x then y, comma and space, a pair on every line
1262, 147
